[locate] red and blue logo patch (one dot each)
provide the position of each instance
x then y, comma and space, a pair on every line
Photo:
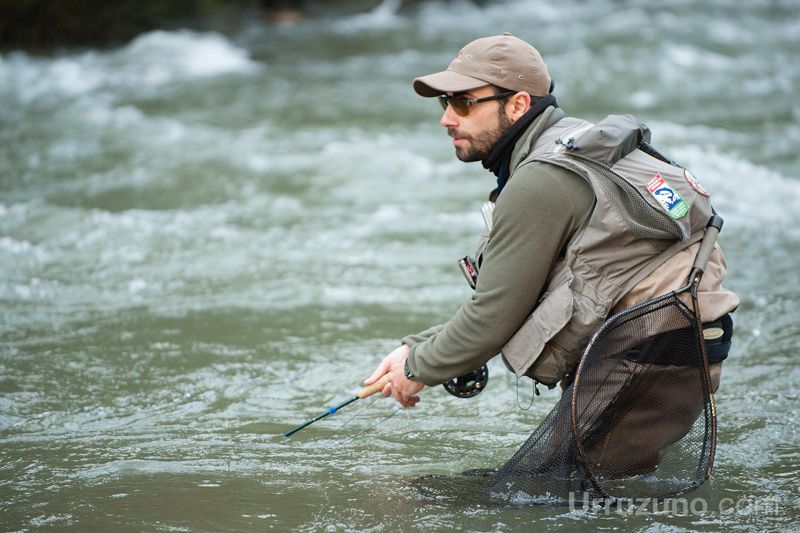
668, 197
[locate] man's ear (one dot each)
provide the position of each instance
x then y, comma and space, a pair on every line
517, 105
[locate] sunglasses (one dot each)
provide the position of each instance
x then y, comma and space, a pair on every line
462, 103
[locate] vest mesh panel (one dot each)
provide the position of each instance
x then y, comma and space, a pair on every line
642, 220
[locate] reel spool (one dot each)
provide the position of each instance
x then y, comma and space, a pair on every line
468, 385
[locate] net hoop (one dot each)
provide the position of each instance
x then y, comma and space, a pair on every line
706, 458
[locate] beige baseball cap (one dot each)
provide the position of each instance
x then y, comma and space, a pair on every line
502, 60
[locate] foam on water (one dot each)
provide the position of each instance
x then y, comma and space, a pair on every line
213, 239
163, 57
383, 16
149, 62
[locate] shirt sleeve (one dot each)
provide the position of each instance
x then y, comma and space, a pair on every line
416, 338
535, 215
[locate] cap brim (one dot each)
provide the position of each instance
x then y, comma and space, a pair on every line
446, 81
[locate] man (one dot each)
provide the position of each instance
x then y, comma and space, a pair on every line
498, 109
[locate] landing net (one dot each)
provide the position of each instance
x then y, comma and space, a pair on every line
637, 420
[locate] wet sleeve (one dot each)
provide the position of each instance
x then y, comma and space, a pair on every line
534, 217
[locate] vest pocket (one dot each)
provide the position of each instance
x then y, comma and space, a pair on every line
549, 317
550, 343
563, 352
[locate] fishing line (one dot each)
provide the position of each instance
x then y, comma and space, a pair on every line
355, 415
382, 420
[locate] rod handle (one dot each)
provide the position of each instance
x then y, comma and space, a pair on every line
375, 387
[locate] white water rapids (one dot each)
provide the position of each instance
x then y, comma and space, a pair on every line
206, 239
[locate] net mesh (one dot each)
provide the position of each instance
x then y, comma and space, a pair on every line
637, 420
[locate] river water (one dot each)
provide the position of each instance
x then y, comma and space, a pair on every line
207, 239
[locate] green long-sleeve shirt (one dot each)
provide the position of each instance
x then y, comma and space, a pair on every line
537, 212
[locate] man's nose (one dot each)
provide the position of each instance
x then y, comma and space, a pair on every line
449, 118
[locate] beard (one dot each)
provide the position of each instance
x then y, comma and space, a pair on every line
480, 145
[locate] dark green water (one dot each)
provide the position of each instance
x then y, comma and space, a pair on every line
205, 240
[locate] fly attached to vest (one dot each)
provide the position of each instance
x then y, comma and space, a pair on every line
646, 210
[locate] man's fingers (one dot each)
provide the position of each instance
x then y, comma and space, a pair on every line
411, 402
407, 401
377, 373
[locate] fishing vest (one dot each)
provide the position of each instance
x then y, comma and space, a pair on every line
646, 211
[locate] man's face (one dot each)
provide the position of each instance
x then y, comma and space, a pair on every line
475, 135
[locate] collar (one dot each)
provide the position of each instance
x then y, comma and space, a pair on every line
499, 159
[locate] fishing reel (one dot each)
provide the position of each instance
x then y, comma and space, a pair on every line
468, 385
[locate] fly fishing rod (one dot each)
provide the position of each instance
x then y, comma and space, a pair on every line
363, 393
466, 386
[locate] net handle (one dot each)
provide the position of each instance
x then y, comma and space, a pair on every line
701, 259
706, 247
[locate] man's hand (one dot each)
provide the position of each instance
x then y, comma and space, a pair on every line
399, 387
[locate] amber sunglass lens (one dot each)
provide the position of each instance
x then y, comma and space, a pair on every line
459, 104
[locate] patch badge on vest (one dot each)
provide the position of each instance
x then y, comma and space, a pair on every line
668, 197
694, 184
